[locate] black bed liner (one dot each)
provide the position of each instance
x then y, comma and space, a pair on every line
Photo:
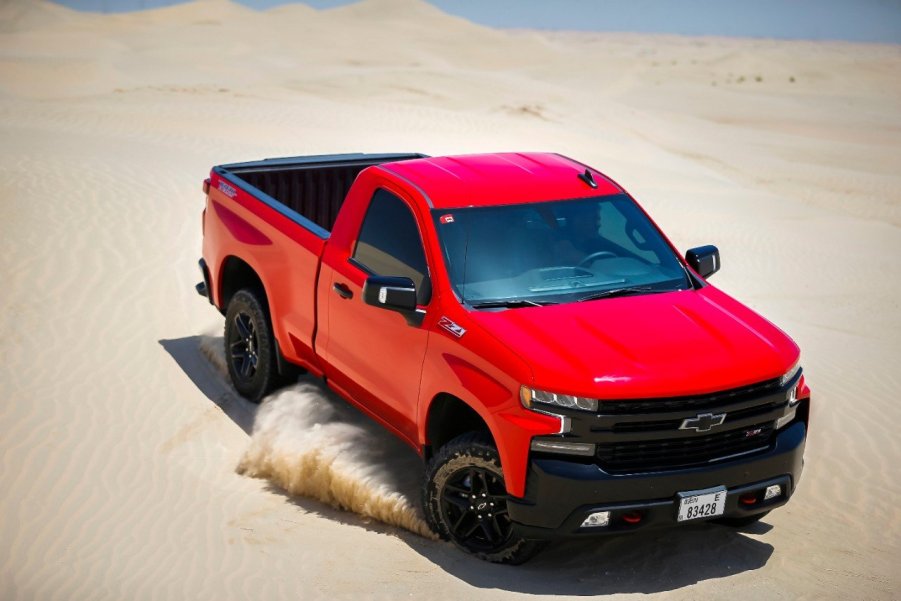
312, 188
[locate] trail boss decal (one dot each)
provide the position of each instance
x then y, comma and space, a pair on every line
227, 190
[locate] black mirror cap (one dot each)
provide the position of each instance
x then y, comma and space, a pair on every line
390, 292
705, 260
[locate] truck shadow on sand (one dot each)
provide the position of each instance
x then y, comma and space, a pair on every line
646, 562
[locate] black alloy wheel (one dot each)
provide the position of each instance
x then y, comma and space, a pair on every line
250, 346
464, 499
474, 506
243, 345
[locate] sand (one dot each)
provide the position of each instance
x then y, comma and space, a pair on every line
120, 437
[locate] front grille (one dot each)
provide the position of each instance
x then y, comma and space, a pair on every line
689, 403
646, 425
645, 435
674, 453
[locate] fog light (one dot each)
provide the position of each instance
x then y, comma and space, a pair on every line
560, 446
596, 520
772, 492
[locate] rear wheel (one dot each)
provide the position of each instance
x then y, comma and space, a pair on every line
465, 501
250, 346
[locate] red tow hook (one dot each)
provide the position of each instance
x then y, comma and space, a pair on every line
748, 499
633, 517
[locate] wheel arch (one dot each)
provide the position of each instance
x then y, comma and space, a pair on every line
449, 416
236, 274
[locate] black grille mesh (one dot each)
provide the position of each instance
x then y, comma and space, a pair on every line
672, 453
689, 403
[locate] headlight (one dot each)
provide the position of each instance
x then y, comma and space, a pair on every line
540, 399
791, 373
791, 407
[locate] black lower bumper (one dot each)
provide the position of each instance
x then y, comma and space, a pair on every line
561, 494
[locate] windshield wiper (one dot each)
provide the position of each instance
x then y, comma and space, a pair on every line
619, 292
511, 303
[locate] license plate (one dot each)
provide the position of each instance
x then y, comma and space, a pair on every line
699, 504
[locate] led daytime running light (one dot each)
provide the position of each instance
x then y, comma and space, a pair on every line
532, 398
791, 373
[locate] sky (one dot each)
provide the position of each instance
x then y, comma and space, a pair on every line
850, 20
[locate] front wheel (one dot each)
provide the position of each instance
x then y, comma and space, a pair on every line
250, 346
465, 501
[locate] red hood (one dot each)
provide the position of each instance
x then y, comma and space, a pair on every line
655, 345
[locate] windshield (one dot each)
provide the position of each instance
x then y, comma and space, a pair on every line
554, 252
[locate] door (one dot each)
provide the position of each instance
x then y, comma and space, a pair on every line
374, 355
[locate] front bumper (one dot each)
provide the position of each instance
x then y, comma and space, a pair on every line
561, 494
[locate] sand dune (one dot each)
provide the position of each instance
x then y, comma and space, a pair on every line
121, 439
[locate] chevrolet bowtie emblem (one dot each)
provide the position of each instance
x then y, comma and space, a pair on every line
703, 422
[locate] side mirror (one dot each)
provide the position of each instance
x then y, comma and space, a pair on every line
389, 292
705, 260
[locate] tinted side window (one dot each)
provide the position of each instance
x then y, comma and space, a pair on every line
389, 242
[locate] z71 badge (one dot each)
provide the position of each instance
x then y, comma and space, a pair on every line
451, 327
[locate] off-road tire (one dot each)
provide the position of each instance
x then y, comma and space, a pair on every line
250, 346
461, 471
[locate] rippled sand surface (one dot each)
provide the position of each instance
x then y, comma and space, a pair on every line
121, 440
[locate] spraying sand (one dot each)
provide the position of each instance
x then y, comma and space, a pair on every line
310, 443
304, 443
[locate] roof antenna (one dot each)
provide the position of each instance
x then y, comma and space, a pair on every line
588, 178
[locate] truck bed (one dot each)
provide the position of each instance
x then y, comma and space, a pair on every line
308, 189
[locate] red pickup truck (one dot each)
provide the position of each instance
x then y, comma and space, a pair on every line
523, 324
